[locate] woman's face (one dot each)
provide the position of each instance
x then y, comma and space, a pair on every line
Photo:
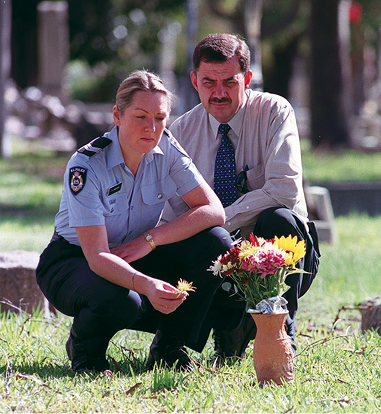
142, 123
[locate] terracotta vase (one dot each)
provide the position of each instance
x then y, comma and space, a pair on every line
273, 356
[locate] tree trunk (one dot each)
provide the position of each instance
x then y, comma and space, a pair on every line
252, 28
5, 64
329, 104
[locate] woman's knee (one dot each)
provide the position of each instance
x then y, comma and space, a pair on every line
122, 305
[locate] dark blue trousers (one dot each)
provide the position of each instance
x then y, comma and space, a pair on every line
275, 222
101, 308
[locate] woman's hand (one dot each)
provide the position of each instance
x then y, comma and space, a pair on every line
133, 249
164, 297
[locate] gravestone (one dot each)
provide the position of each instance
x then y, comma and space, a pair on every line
371, 317
321, 212
18, 286
53, 47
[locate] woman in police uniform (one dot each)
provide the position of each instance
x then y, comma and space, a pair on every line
108, 264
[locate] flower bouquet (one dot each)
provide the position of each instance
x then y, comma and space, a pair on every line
259, 267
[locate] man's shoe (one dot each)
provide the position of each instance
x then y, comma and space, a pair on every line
80, 362
233, 343
168, 352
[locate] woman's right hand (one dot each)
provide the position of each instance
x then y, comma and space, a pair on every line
164, 297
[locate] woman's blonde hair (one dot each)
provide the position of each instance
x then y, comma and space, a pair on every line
140, 80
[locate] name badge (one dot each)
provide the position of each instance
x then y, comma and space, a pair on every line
114, 189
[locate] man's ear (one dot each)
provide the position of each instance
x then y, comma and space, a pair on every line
193, 78
116, 115
248, 77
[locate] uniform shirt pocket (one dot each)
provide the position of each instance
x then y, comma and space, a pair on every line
116, 204
159, 192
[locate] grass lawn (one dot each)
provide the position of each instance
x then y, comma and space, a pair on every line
338, 368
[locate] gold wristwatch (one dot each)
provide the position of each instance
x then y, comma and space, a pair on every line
149, 238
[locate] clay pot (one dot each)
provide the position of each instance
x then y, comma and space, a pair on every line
273, 356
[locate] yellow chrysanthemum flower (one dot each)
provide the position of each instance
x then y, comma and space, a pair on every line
294, 250
185, 286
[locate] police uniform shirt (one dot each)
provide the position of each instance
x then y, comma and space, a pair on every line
99, 189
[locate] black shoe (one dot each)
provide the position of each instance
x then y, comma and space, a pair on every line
233, 343
80, 362
168, 352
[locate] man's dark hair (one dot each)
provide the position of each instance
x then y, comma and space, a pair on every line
221, 47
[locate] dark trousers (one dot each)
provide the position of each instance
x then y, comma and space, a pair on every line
276, 222
101, 308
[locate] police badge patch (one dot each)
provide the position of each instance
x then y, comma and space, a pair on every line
77, 179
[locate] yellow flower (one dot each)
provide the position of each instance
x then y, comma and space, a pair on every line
247, 249
294, 250
185, 286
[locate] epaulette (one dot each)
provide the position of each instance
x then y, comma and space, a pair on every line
174, 141
95, 146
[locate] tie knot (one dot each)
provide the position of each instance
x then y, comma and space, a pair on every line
224, 129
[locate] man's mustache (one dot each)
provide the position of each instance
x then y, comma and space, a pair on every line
222, 100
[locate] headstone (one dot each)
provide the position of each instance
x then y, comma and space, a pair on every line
53, 47
18, 286
5, 68
320, 211
371, 315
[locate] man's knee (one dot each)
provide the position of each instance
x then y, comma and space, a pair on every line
219, 239
276, 221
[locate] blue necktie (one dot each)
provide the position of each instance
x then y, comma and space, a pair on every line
225, 170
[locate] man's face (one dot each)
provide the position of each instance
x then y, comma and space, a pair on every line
221, 87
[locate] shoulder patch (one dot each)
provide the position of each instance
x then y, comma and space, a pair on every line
95, 146
77, 179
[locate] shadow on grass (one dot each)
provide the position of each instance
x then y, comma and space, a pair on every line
47, 370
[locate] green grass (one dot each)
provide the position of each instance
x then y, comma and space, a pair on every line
335, 372
30, 192
338, 369
345, 165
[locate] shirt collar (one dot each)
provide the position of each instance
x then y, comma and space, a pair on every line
156, 150
115, 156
235, 123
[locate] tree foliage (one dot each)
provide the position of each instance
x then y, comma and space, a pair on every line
112, 37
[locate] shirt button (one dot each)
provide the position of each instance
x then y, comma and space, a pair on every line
160, 196
229, 223
247, 207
